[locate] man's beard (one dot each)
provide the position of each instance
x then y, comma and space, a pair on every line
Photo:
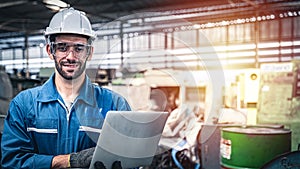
64, 74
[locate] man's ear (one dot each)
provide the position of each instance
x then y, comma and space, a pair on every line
48, 50
91, 54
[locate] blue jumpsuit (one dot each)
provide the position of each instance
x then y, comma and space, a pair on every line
38, 125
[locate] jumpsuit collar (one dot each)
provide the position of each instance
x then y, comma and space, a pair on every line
49, 92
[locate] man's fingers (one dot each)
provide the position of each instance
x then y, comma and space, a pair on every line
99, 165
116, 165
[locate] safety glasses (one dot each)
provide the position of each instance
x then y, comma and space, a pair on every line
61, 49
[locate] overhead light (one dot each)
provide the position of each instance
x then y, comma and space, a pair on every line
53, 7
57, 3
8, 4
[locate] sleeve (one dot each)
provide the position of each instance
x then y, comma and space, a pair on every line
18, 150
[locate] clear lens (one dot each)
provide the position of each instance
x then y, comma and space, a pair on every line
63, 49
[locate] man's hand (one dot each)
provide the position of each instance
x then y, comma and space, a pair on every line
60, 161
115, 165
82, 159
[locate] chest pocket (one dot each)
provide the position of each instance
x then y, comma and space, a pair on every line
89, 116
90, 121
44, 131
43, 126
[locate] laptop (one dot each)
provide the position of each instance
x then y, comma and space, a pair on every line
131, 137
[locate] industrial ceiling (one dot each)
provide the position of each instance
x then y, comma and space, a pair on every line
28, 17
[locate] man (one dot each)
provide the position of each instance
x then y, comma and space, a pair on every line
56, 125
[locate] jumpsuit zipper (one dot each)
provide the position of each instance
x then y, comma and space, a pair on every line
68, 112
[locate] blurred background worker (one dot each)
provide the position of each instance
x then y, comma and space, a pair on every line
56, 125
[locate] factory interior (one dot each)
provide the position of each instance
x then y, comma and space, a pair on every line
226, 71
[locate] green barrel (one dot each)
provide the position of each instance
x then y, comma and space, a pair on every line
251, 147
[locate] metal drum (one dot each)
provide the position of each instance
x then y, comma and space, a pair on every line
252, 147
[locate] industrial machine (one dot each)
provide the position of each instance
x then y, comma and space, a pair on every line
6, 94
279, 97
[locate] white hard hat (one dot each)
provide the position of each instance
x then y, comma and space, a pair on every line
70, 21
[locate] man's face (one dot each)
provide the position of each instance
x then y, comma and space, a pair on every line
70, 54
